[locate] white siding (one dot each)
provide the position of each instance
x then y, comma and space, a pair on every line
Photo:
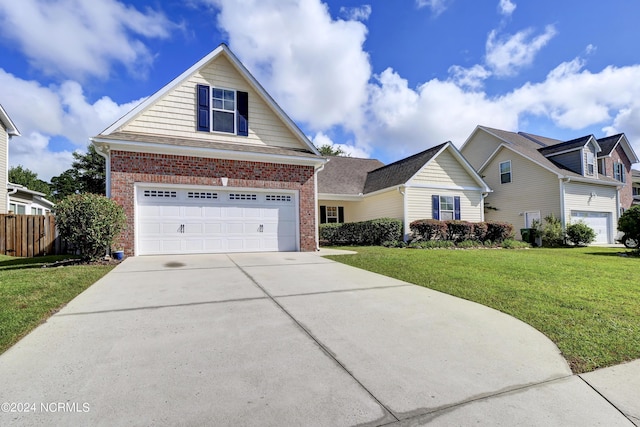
532, 188
444, 170
384, 205
420, 203
4, 164
174, 114
478, 149
591, 198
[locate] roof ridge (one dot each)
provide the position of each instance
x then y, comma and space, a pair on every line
530, 137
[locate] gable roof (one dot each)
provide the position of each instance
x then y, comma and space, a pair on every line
8, 123
345, 175
609, 143
542, 140
221, 50
571, 145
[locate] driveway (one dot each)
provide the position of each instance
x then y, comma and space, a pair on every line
283, 339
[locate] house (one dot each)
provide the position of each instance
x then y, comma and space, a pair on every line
7, 131
635, 190
25, 201
210, 163
534, 176
437, 183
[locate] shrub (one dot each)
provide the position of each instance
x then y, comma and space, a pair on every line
480, 231
515, 244
90, 223
429, 229
394, 244
365, 233
629, 223
431, 244
459, 230
552, 232
468, 244
580, 234
497, 232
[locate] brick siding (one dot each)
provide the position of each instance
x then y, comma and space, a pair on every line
129, 168
626, 193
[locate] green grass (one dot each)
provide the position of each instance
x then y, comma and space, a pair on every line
29, 294
586, 300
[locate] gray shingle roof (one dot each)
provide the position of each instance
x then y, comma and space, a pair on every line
345, 175
399, 172
608, 143
566, 146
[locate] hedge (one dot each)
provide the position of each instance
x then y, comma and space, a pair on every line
365, 233
459, 231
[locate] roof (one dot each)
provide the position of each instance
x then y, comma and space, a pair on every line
635, 173
573, 144
542, 140
35, 195
221, 50
399, 172
345, 175
8, 123
608, 144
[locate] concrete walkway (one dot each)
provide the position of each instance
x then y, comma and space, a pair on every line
285, 339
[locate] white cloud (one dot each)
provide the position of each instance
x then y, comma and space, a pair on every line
506, 7
436, 6
472, 78
32, 152
361, 13
77, 38
314, 66
506, 55
321, 139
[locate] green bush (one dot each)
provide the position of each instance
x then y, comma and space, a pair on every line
89, 223
552, 232
428, 229
468, 244
432, 244
394, 244
480, 231
364, 233
515, 244
459, 230
629, 223
498, 232
580, 234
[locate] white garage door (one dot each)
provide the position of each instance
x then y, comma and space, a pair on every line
599, 221
195, 220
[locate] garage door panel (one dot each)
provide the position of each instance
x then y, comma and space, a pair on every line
193, 211
598, 221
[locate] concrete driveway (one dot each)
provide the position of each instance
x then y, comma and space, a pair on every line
284, 339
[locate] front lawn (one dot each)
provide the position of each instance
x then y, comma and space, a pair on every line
587, 300
29, 294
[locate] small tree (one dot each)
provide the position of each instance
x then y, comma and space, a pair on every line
552, 232
90, 223
580, 234
629, 224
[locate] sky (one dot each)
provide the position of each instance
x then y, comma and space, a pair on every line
379, 78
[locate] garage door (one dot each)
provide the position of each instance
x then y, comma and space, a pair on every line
196, 220
599, 221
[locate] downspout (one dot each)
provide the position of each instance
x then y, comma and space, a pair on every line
405, 215
562, 205
315, 204
107, 168
484, 196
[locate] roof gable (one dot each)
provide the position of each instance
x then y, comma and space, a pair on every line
574, 144
8, 123
345, 175
609, 144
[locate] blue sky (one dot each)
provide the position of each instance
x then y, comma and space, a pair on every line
379, 78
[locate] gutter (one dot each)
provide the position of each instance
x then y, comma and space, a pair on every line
107, 167
315, 204
405, 219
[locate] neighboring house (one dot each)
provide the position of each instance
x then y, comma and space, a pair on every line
635, 191
7, 131
437, 183
534, 176
210, 163
29, 202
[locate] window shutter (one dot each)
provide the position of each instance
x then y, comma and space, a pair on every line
243, 113
435, 206
204, 110
323, 214
340, 214
456, 207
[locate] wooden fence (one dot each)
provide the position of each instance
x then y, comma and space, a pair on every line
28, 235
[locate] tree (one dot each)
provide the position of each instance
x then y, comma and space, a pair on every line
64, 184
629, 224
87, 175
331, 150
23, 176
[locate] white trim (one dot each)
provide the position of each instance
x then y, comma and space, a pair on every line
510, 172
338, 197
562, 202
11, 128
558, 153
445, 187
222, 110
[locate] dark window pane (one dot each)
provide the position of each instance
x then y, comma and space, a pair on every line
223, 122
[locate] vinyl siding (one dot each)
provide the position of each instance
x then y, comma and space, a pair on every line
384, 205
444, 170
532, 188
478, 149
4, 164
350, 208
578, 197
571, 161
419, 203
174, 114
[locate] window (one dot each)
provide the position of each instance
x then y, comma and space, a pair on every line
602, 168
619, 172
445, 207
591, 163
222, 110
243, 196
18, 209
36, 211
636, 191
331, 214
505, 172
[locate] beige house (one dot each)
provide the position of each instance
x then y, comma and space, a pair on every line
437, 183
533, 176
210, 163
7, 130
24, 201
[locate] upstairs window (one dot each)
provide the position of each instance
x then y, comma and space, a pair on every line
591, 163
222, 110
619, 172
505, 172
602, 167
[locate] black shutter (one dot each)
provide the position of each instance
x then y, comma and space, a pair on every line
456, 207
340, 214
323, 214
243, 113
204, 110
435, 206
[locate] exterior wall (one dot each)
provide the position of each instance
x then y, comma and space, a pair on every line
384, 205
532, 188
444, 170
419, 203
128, 168
626, 193
175, 113
572, 161
28, 201
478, 149
350, 208
579, 197
4, 165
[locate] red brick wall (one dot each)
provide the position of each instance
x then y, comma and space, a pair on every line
626, 193
128, 168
